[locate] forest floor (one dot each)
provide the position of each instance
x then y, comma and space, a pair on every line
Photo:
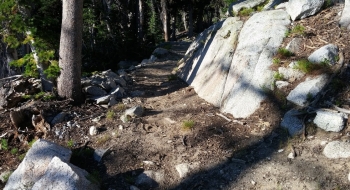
250, 153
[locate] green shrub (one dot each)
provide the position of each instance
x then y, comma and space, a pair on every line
30, 144
14, 151
306, 66
70, 143
39, 95
297, 30
4, 144
278, 76
284, 53
245, 11
187, 124
276, 61
110, 114
53, 71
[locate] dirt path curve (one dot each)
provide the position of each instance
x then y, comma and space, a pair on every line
216, 154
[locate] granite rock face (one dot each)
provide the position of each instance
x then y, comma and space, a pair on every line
232, 77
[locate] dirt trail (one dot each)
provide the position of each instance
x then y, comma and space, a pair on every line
249, 153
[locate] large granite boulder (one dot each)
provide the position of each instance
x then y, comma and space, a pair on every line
326, 54
229, 66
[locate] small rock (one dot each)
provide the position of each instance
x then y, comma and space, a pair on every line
118, 92
294, 45
330, 120
326, 54
120, 127
125, 118
95, 91
290, 73
120, 81
109, 73
299, 9
291, 155
323, 143
308, 89
103, 100
281, 84
136, 111
291, 122
58, 118
280, 150
183, 169
99, 153
148, 162
253, 182
337, 149
93, 131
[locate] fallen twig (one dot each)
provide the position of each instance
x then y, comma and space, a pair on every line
227, 119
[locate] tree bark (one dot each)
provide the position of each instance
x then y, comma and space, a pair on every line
164, 18
69, 81
184, 20
140, 20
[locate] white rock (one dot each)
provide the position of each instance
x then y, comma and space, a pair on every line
327, 53
323, 143
309, 88
291, 122
337, 149
345, 18
290, 74
330, 120
233, 79
93, 131
103, 100
35, 163
294, 45
183, 169
136, 111
281, 84
299, 9
62, 176
291, 155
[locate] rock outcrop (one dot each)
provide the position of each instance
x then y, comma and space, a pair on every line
228, 65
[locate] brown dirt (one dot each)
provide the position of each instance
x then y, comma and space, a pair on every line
241, 154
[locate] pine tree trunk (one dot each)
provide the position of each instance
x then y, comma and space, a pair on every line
164, 18
69, 81
140, 20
